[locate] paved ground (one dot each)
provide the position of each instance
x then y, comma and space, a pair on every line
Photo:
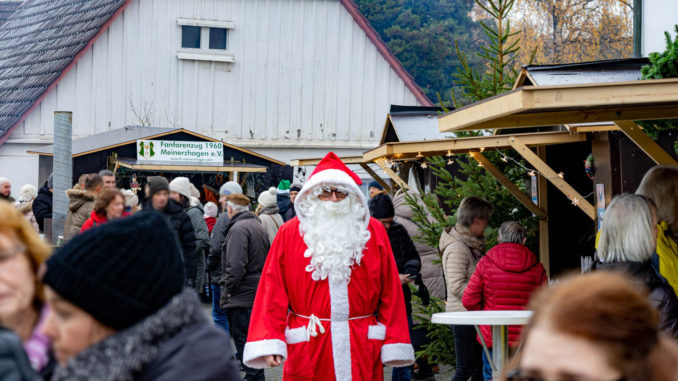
275, 374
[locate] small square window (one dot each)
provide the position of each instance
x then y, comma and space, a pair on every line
190, 37
218, 38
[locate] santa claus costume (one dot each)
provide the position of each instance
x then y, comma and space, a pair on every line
330, 300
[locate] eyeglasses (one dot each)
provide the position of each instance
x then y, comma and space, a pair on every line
521, 375
326, 193
9, 254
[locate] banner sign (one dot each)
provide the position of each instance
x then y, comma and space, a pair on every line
178, 151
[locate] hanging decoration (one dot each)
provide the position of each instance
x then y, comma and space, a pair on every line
134, 184
590, 166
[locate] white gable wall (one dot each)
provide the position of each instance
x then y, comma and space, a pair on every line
305, 76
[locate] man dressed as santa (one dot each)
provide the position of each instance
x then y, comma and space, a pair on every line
330, 303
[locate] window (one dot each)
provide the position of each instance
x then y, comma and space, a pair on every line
205, 40
190, 37
218, 38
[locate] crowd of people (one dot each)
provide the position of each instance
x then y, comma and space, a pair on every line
320, 277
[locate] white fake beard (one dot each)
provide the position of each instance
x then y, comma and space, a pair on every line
335, 236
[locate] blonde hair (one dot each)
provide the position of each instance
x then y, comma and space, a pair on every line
628, 233
660, 184
37, 252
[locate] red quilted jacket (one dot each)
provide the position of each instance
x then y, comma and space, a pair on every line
504, 280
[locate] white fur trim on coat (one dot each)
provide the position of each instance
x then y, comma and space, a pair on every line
376, 332
397, 355
341, 334
335, 177
256, 351
296, 335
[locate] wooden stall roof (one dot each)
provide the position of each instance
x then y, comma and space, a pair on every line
171, 166
315, 161
533, 106
409, 150
128, 135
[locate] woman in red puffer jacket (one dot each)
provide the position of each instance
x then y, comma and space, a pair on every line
504, 280
110, 205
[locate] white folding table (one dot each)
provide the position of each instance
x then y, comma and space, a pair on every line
499, 320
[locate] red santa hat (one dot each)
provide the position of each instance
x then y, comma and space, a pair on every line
332, 171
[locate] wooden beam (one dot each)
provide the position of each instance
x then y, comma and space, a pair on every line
389, 172
642, 140
533, 106
591, 127
553, 177
542, 199
464, 145
315, 161
508, 184
376, 177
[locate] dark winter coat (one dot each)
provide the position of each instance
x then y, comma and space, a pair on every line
504, 279
14, 363
290, 214
42, 206
177, 342
181, 224
80, 208
202, 242
662, 296
216, 245
283, 202
406, 257
242, 260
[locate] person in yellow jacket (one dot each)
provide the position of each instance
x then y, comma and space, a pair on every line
660, 184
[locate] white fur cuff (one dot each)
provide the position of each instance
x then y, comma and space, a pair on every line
256, 351
397, 355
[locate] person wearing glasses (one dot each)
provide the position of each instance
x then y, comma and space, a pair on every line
330, 302
22, 302
595, 327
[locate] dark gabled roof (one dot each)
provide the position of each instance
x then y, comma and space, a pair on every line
412, 123
6, 9
130, 134
39, 43
620, 70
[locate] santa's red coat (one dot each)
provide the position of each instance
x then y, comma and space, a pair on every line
369, 323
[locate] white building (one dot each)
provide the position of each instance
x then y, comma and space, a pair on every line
659, 16
286, 78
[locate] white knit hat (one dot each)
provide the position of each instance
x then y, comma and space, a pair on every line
27, 193
131, 200
194, 191
211, 209
268, 198
181, 185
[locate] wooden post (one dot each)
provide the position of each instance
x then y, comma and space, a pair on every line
542, 199
649, 146
553, 177
389, 172
376, 177
508, 184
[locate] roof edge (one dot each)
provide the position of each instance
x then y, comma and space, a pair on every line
68, 68
385, 52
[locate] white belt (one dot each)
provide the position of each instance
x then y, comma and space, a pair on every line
315, 323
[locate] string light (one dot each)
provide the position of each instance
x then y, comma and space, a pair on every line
424, 165
449, 153
419, 155
575, 201
482, 149
531, 173
561, 175
480, 164
450, 162
504, 159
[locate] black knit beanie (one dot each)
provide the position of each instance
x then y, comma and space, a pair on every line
381, 206
119, 272
157, 184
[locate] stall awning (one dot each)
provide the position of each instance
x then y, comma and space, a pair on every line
171, 166
534, 106
414, 150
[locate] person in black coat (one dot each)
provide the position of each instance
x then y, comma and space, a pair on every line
405, 254
158, 201
42, 205
291, 213
627, 242
118, 290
